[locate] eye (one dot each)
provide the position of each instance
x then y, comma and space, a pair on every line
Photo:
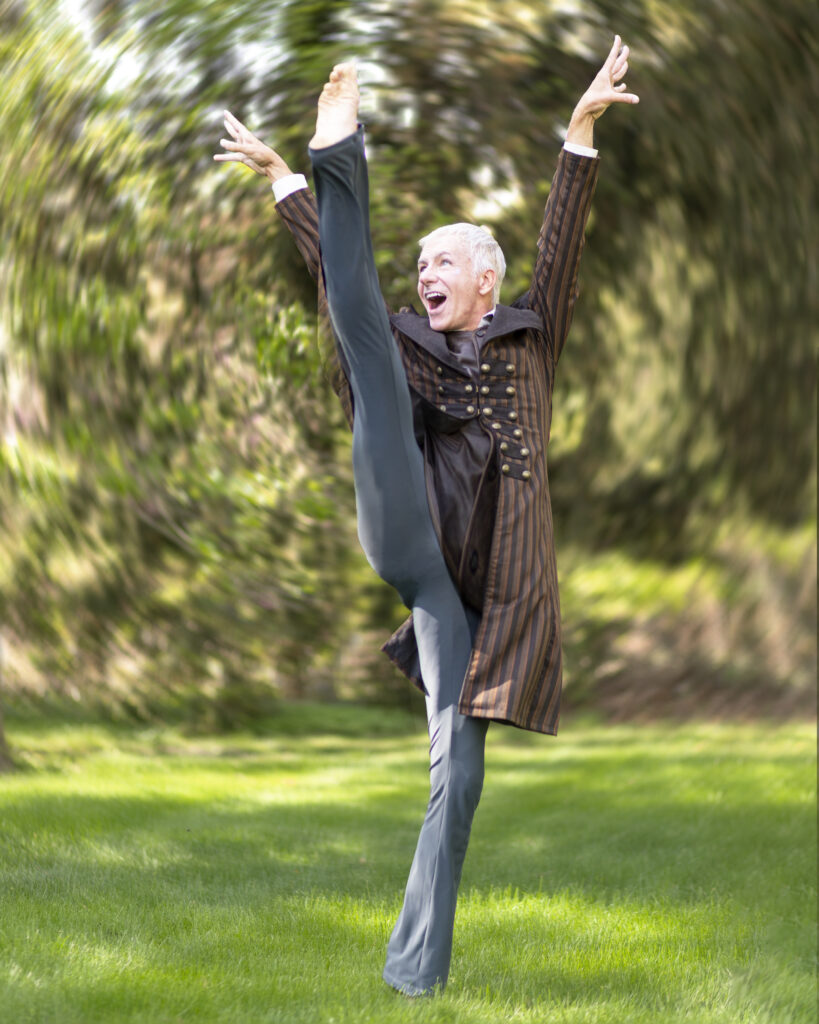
446, 259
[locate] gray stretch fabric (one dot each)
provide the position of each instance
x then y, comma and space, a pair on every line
398, 538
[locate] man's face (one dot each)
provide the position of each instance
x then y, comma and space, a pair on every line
453, 295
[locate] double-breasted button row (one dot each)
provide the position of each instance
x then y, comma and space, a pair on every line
455, 391
506, 469
458, 390
522, 453
512, 455
508, 368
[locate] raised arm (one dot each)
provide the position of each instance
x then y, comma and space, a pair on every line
554, 290
244, 147
295, 204
600, 95
297, 209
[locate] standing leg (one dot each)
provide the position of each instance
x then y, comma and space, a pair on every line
396, 532
420, 946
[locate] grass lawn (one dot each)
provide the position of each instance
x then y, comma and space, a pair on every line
615, 874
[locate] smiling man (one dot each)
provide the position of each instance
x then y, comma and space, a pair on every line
451, 413
460, 270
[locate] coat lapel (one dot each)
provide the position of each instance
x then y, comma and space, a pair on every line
418, 330
507, 320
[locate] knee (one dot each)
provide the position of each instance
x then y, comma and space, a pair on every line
390, 563
404, 559
462, 762
469, 781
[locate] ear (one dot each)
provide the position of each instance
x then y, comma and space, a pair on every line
486, 282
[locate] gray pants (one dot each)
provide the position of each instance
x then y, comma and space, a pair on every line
398, 538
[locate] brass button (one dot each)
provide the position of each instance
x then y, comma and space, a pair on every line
441, 389
484, 389
439, 370
510, 390
485, 367
517, 432
496, 425
469, 389
524, 452
505, 467
442, 408
504, 446
526, 474
487, 411
513, 415
510, 367
470, 409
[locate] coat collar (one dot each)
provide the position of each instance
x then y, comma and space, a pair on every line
507, 320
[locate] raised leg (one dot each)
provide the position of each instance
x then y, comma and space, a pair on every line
398, 538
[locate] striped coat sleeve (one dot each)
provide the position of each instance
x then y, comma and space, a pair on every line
560, 245
299, 213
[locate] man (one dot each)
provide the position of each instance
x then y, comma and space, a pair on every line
451, 415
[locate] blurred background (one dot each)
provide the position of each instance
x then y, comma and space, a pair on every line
177, 525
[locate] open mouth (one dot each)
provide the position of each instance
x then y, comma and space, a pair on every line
434, 300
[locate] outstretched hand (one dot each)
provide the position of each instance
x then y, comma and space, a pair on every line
243, 147
605, 89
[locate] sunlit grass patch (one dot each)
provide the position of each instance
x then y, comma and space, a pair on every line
615, 874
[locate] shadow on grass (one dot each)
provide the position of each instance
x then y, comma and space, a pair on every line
687, 823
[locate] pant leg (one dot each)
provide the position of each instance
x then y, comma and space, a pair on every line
394, 524
396, 532
420, 947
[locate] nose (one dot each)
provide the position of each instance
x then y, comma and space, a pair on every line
426, 276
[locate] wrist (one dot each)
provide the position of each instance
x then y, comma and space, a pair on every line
273, 168
581, 129
273, 173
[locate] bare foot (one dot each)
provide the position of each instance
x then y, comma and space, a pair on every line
337, 107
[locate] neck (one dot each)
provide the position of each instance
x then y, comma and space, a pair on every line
475, 322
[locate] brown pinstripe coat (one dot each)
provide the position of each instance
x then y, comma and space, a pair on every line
515, 673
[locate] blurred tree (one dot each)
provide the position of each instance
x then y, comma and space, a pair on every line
176, 500
176, 520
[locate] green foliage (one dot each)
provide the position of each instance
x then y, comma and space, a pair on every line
175, 495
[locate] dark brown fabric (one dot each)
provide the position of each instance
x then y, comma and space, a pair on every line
515, 674
460, 468
300, 214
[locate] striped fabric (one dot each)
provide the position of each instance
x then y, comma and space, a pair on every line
515, 674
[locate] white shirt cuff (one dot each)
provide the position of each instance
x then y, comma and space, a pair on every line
290, 183
578, 150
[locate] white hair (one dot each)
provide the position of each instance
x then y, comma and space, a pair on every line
484, 251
